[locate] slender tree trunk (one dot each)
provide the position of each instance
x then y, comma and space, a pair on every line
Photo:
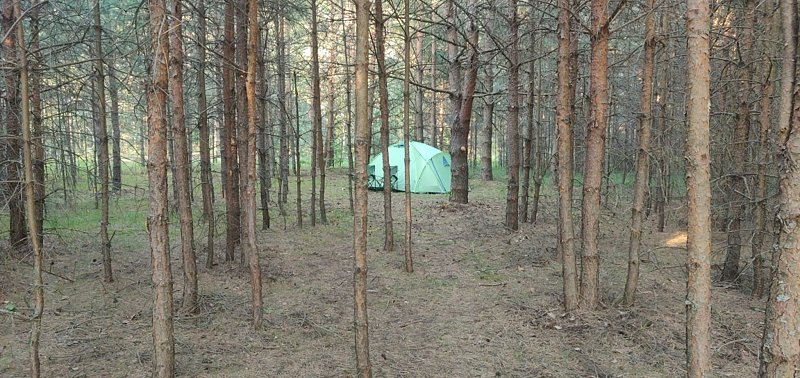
240, 74
380, 36
512, 127
488, 119
540, 163
595, 151
263, 142
419, 109
434, 107
249, 196
116, 137
409, 263
105, 243
565, 155
363, 137
642, 155
30, 184
317, 112
698, 286
527, 142
158, 216
780, 351
17, 234
349, 110
190, 295
231, 169
297, 160
37, 132
283, 191
205, 153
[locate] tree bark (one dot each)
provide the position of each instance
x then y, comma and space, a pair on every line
283, 191
409, 263
380, 36
780, 351
231, 168
488, 120
698, 285
105, 243
459, 190
317, 114
116, 136
190, 294
363, 137
737, 194
565, 155
37, 120
205, 151
249, 196
158, 216
30, 188
17, 234
642, 155
595, 153
419, 112
512, 127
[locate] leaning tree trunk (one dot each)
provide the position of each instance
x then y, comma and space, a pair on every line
459, 136
698, 285
642, 155
780, 351
158, 216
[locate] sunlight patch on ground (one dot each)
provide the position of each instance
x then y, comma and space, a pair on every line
676, 240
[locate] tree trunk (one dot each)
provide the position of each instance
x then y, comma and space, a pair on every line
205, 153
698, 286
760, 213
264, 138
297, 160
564, 162
780, 352
363, 138
458, 136
380, 36
512, 128
231, 168
642, 155
30, 188
409, 263
105, 243
434, 108
283, 110
249, 243
317, 113
190, 295
348, 120
116, 137
737, 194
158, 216
37, 132
17, 234
595, 151
419, 110
488, 120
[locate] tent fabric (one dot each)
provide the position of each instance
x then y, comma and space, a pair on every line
429, 167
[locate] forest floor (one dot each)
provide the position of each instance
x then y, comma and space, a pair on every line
482, 302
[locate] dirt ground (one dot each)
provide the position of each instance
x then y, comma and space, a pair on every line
482, 302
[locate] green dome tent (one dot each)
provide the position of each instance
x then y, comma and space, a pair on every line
429, 167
